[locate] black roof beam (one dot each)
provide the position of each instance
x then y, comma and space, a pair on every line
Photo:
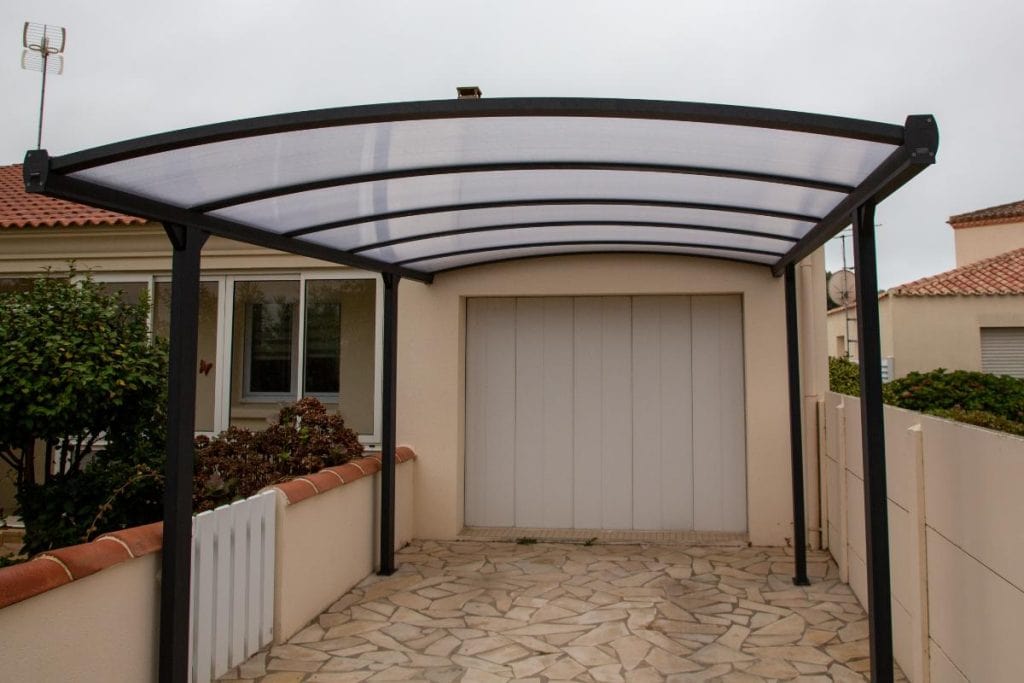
581, 243
496, 167
510, 203
565, 224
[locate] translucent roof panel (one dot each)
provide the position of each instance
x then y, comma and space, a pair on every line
408, 252
362, 235
418, 187
323, 207
195, 175
444, 263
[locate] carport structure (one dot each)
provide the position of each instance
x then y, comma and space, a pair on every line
412, 190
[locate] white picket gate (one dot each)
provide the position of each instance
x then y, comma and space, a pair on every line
232, 584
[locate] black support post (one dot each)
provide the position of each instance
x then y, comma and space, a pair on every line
873, 445
796, 431
181, 401
387, 446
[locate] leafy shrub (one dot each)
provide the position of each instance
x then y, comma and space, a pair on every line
991, 401
980, 418
76, 364
239, 462
844, 376
999, 395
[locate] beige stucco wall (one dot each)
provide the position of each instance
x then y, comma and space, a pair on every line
923, 333
328, 543
432, 368
934, 332
984, 241
102, 629
955, 542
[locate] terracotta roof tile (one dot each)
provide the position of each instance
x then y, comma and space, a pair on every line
999, 275
19, 209
993, 214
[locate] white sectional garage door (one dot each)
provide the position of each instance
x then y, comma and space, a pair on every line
605, 413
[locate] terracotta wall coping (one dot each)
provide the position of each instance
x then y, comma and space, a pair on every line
301, 488
54, 568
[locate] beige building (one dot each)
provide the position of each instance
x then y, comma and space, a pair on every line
622, 391
968, 318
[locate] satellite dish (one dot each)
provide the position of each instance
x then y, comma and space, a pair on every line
842, 287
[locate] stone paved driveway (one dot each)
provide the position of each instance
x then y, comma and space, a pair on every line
473, 611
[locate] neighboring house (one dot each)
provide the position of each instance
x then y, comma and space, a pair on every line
643, 391
968, 318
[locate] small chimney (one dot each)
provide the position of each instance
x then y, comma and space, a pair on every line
469, 92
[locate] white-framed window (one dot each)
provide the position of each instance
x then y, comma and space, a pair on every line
305, 334
266, 339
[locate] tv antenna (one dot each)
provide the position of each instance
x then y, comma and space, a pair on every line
44, 47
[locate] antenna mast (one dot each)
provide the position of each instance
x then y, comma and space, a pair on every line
44, 45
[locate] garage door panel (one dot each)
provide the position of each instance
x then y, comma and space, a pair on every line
719, 500
544, 399
588, 437
662, 413
490, 412
617, 413
606, 412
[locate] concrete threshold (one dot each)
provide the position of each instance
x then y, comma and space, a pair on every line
605, 536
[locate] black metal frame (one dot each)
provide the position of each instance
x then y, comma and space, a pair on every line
876, 500
563, 224
796, 431
176, 560
915, 147
571, 201
387, 446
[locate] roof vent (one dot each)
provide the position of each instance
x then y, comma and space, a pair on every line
469, 92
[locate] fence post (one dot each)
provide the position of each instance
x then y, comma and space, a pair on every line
844, 508
916, 433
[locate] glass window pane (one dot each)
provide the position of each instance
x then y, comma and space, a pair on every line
9, 285
264, 349
130, 292
340, 342
206, 376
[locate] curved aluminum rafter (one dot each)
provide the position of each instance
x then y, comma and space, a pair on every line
342, 181
581, 243
560, 224
611, 201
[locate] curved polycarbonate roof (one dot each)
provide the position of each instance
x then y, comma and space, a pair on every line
421, 188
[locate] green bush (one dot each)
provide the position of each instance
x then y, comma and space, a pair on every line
844, 376
980, 418
991, 401
239, 462
940, 389
77, 366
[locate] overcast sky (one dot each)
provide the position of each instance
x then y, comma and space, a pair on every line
135, 67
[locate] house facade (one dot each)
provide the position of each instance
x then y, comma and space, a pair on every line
967, 318
590, 391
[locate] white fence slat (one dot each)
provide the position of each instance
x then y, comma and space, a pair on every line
222, 592
202, 597
232, 597
193, 604
268, 500
239, 556
253, 579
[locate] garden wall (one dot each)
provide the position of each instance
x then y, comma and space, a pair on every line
91, 612
955, 535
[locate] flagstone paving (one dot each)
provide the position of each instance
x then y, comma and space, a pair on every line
482, 612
